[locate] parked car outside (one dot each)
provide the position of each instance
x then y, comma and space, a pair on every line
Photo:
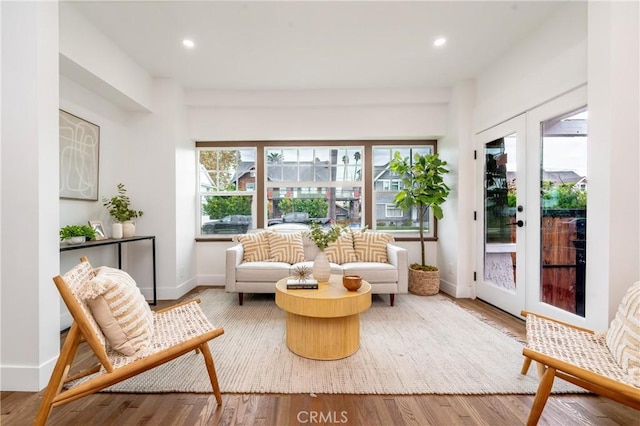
298, 217
232, 224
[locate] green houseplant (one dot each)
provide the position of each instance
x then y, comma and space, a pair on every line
321, 237
119, 208
77, 233
423, 188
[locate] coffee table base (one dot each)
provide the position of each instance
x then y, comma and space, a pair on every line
323, 338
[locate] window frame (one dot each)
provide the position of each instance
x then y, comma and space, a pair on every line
259, 201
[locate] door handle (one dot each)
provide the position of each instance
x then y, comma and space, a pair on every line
519, 224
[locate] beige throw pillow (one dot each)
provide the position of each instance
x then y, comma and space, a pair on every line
286, 247
623, 336
371, 246
120, 309
256, 247
342, 251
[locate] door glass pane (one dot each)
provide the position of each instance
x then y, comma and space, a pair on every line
499, 212
563, 183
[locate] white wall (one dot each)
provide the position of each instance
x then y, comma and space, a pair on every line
91, 59
456, 229
613, 230
29, 303
549, 62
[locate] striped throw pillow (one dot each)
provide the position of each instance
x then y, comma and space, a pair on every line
342, 251
286, 247
120, 310
371, 246
623, 336
256, 247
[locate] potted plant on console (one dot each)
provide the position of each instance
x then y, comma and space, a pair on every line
122, 214
77, 234
423, 188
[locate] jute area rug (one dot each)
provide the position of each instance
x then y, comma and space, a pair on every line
423, 345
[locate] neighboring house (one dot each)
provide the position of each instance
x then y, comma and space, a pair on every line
386, 186
557, 177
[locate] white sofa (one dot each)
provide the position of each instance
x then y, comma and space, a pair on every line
261, 276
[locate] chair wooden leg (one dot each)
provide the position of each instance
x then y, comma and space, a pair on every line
240, 298
542, 394
392, 298
525, 366
60, 371
211, 369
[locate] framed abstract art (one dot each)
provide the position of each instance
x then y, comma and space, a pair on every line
79, 158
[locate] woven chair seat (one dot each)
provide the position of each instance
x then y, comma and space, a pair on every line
170, 329
582, 349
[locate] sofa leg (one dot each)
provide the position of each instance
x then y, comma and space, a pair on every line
240, 298
392, 299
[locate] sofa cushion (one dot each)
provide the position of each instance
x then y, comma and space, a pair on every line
372, 272
371, 246
335, 268
255, 247
342, 251
262, 271
623, 336
286, 247
120, 309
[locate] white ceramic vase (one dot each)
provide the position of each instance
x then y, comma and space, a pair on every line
321, 269
116, 230
128, 228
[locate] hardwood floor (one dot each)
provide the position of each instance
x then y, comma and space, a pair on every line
19, 408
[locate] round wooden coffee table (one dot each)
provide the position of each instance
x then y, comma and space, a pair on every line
323, 324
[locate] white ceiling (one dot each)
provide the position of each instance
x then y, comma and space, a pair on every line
315, 45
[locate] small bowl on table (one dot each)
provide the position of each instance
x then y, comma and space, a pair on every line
352, 282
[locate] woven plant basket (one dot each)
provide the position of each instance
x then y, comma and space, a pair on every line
424, 283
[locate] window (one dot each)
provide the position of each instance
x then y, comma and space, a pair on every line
386, 186
319, 184
392, 211
226, 189
258, 184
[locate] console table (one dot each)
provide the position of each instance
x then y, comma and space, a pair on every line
118, 242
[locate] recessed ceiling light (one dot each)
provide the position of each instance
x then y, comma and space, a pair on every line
440, 41
189, 44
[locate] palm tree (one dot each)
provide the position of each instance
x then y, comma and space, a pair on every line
274, 157
356, 156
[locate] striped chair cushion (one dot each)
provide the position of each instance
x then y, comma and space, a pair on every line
286, 247
371, 246
342, 251
256, 247
623, 336
120, 310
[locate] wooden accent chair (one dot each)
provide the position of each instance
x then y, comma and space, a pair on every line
177, 330
603, 363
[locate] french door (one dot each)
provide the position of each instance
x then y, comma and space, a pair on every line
531, 211
501, 216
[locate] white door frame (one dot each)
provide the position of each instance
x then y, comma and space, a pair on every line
554, 108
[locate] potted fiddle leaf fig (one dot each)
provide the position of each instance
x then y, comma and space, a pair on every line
119, 208
423, 188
